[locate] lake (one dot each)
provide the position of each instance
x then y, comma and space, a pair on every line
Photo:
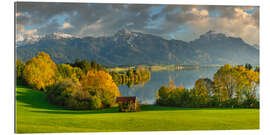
187, 77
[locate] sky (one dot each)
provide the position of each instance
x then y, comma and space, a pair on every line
180, 22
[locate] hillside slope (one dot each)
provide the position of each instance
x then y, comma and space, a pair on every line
133, 48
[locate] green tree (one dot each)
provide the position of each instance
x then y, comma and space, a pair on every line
19, 69
257, 69
67, 71
248, 66
64, 70
83, 64
163, 95
94, 65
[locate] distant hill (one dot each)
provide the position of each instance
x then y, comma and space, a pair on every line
133, 48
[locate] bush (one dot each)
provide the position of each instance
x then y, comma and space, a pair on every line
251, 102
180, 98
95, 102
70, 95
163, 96
19, 69
129, 106
190, 98
67, 71
96, 90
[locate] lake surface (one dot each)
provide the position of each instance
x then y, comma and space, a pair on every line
187, 77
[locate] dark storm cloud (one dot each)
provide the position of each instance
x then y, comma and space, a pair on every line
80, 15
41, 12
51, 27
106, 19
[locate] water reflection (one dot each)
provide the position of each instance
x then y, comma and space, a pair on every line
147, 92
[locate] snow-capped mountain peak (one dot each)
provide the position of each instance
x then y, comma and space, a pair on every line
31, 39
58, 35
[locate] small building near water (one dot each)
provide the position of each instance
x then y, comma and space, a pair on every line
128, 103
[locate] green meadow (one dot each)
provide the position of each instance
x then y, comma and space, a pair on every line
34, 114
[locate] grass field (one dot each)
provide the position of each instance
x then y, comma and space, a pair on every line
35, 115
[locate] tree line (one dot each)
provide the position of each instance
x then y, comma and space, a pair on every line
234, 87
78, 85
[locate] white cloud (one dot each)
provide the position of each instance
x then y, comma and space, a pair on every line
130, 23
198, 12
105, 19
29, 35
95, 27
19, 37
31, 32
19, 28
240, 24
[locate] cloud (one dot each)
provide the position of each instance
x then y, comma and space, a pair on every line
92, 28
18, 14
65, 26
31, 32
19, 37
50, 27
186, 22
241, 25
19, 28
234, 21
204, 12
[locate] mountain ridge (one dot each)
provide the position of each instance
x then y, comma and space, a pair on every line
134, 48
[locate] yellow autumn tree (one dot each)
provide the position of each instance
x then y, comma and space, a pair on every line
224, 82
247, 81
235, 81
40, 71
201, 88
101, 84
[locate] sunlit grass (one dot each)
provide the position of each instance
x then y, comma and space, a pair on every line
34, 114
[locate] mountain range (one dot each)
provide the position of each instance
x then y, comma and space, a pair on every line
133, 48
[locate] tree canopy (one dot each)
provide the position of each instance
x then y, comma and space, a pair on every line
40, 71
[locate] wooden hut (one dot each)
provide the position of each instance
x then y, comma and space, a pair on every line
128, 104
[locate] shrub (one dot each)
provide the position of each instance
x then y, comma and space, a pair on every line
251, 102
180, 98
70, 95
96, 90
95, 102
163, 95
129, 106
234, 87
67, 71
19, 69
